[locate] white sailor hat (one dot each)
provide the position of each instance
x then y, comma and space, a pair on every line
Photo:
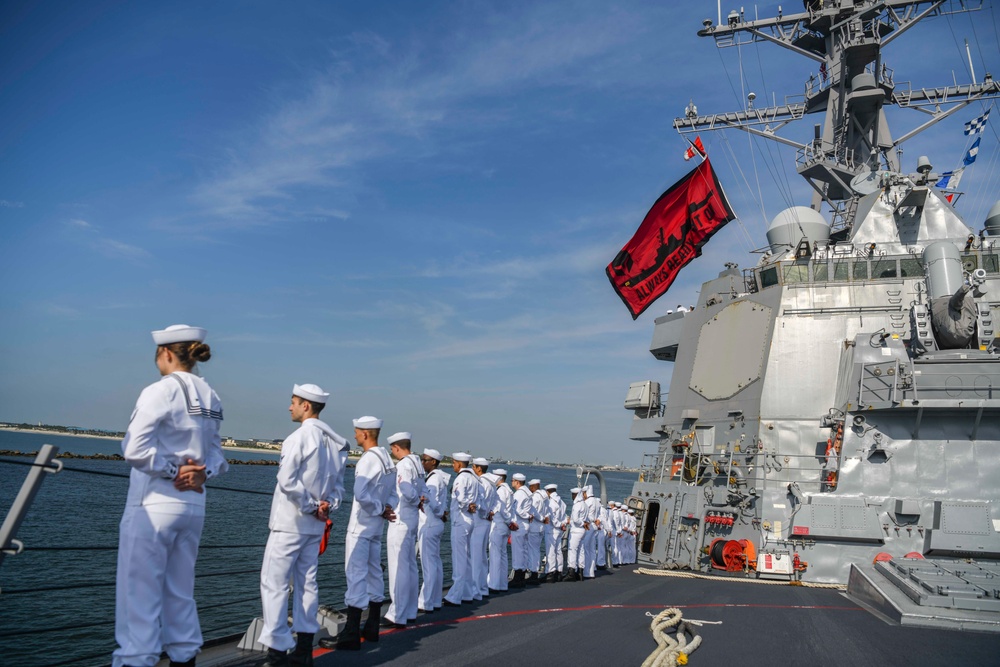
480, 461
551, 487
575, 489
368, 422
461, 457
611, 503
310, 392
533, 482
518, 477
590, 489
500, 472
396, 437
178, 333
433, 453
490, 477
631, 511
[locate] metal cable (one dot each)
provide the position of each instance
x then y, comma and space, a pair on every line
115, 548
66, 587
116, 474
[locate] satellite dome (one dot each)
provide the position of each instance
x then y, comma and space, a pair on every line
789, 226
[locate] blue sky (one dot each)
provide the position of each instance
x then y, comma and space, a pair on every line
409, 204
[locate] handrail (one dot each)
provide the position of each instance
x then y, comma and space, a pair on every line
15, 516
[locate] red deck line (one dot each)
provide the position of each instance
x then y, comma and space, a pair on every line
521, 612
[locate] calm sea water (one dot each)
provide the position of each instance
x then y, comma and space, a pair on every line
76, 509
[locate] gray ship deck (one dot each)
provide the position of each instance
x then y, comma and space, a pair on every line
605, 622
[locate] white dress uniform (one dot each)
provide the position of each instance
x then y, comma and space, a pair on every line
429, 531
630, 537
523, 515
602, 537
464, 492
577, 534
174, 420
401, 540
481, 533
374, 488
590, 542
614, 527
540, 510
311, 472
553, 534
499, 534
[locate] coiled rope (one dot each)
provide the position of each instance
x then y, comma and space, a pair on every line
672, 650
768, 582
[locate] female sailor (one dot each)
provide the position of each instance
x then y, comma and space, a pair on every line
172, 444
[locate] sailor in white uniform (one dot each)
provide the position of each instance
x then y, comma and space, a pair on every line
602, 537
172, 446
500, 531
590, 543
481, 527
430, 529
464, 504
553, 535
630, 537
540, 509
614, 528
310, 487
374, 498
401, 536
523, 516
577, 535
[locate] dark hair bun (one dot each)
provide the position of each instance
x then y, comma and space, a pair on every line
201, 352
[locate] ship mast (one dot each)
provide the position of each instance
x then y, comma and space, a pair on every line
845, 38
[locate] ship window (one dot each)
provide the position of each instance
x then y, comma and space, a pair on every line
908, 268
821, 272
768, 277
990, 264
861, 270
841, 270
796, 273
884, 268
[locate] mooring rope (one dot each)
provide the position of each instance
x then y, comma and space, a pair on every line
695, 575
673, 650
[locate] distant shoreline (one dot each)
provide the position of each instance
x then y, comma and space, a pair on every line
59, 433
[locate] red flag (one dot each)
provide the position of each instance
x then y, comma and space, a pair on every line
696, 148
671, 235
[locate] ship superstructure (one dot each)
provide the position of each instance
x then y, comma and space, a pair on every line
839, 403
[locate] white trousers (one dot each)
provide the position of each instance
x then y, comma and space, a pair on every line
553, 552
602, 547
154, 596
461, 561
519, 547
590, 553
429, 542
296, 557
363, 569
404, 581
499, 561
480, 561
534, 550
574, 554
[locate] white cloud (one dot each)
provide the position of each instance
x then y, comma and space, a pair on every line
6, 203
119, 250
377, 98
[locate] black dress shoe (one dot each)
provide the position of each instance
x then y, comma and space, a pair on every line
449, 603
386, 623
